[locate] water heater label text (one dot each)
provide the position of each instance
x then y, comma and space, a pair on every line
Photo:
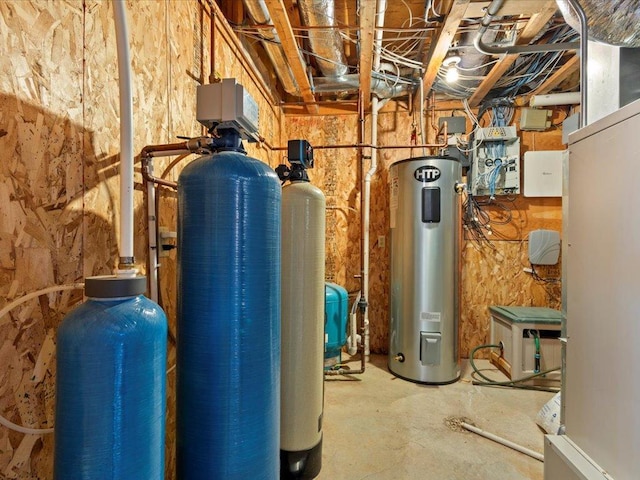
427, 173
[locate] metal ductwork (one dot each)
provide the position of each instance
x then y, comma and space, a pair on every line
259, 13
490, 13
614, 23
380, 87
326, 44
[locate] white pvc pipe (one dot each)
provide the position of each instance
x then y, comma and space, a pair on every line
381, 8
502, 441
7, 308
353, 339
126, 132
571, 98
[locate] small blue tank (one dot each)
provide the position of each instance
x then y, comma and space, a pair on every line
110, 385
335, 326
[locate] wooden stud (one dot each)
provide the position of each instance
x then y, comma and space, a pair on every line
367, 28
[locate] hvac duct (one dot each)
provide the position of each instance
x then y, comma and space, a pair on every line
259, 13
302, 378
228, 342
110, 385
423, 331
325, 44
615, 24
381, 86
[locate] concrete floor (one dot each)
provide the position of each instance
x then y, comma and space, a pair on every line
379, 427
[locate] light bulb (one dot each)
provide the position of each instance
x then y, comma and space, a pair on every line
452, 74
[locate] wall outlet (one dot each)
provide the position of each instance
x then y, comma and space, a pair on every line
381, 241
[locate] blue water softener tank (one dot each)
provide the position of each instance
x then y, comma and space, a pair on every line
110, 386
228, 335
335, 326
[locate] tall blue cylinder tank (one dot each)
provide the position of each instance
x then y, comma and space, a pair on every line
110, 385
228, 336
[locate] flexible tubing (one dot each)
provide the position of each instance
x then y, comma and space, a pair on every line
3, 421
510, 383
503, 441
126, 130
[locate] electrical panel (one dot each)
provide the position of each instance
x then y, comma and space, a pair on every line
495, 168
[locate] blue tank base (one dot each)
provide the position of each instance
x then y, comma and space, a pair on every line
304, 464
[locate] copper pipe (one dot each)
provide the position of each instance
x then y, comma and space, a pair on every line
377, 147
173, 163
150, 178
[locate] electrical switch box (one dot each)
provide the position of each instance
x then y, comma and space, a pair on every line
515, 328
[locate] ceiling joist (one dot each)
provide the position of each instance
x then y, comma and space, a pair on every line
281, 22
441, 45
367, 24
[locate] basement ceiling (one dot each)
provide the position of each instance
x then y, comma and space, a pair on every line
321, 54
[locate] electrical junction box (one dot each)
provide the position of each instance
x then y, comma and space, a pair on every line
454, 124
543, 173
537, 119
495, 165
544, 247
227, 104
514, 327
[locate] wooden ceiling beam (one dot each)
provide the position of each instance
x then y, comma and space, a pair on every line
367, 28
440, 46
280, 19
532, 28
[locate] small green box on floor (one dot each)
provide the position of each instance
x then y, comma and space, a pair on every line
530, 336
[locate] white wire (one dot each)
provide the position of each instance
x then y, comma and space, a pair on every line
3, 421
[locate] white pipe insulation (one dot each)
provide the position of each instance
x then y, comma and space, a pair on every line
381, 8
126, 135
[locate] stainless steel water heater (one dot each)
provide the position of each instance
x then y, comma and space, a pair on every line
423, 333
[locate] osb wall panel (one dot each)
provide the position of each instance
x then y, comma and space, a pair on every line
336, 173
41, 185
59, 194
492, 271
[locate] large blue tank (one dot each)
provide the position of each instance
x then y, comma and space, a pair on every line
110, 386
228, 336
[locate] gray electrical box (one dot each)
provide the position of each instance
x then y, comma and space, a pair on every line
227, 105
544, 247
454, 124
537, 119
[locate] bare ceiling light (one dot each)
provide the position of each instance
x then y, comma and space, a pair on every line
451, 64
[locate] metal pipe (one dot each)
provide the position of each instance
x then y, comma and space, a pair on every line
492, 10
584, 41
152, 223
